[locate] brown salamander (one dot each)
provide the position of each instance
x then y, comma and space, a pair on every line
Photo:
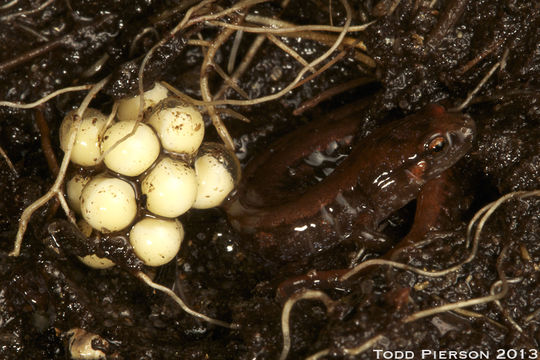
383, 172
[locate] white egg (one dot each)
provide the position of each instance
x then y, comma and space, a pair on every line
170, 188
128, 109
156, 241
133, 155
108, 204
217, 172
179, 127
92, 260
73, 189
87, 148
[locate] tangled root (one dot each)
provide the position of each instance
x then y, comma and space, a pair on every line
498, 290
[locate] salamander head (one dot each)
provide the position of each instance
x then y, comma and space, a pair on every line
447, 138
416, 149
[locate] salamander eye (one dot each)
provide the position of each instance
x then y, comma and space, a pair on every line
437, 144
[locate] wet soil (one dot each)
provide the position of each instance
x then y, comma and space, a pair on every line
423, 54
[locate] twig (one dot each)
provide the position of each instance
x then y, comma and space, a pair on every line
226, 78
488, 50
8, 161
481, 83
30, 54
110, 120
486, 214
241, 69
46, 145
474, 314
246, 61
186, 22
329, 93
95, 67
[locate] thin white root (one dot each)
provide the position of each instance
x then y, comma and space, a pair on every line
121, 140
160, 43
483, 214
9, 4
363, 347
205, 88
8, 161
319, 354
142, 276
286, 312
291, 85
45, 98
110, 120
277, 26
27, 12
493, 290
236, 7
289, 51
234, 51
186, 22
532, 315
229, 81
56, 189
349, 351
495, 295
470, 96
234, 114
242, 67
457, 305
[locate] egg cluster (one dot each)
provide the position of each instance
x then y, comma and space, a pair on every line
137, 178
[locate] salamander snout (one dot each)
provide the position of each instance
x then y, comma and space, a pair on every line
463, 135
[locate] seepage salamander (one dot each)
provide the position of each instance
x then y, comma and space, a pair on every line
383, 172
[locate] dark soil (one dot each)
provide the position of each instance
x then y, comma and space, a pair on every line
422, 55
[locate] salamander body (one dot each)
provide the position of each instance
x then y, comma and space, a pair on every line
383, 172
